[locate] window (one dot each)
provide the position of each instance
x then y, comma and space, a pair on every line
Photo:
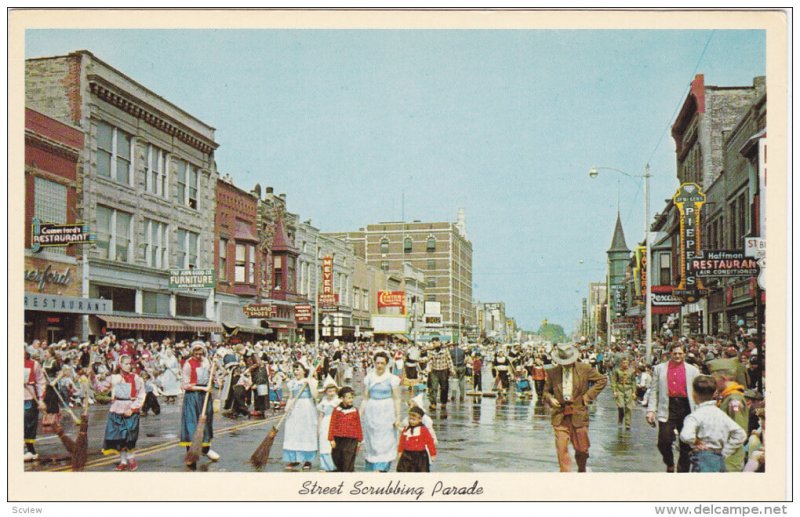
155, 175
384, 246
356, 299
277, 276
290, 274
430, 298
301, 278
431, 282
431, 244
180, 165
50, 205
156, 244
114, 233
114, 153
384, 265
251, 264
124, 299
734, 235
664, 263
743, 229
187, 249
407, 244
241, 263
193, 186
155, 303
223, 259
431, 264
190, 306
365, 299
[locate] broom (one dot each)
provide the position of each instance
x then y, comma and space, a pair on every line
66, 441
193, 454
261, 455
81, 447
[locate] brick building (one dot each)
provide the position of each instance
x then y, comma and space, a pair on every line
146, 184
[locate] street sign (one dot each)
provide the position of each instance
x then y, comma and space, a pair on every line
755, 247
192, 278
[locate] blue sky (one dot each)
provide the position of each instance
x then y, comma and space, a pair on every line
504, 123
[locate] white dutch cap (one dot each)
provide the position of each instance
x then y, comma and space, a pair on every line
329, 383
198, 344
418, 401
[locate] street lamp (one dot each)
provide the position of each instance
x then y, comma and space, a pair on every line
593, 173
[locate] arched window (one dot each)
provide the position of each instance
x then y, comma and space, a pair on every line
384, 246
431, 246
407, 245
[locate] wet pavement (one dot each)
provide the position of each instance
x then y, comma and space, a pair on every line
481, 434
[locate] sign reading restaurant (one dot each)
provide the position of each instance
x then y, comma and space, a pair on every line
55, 303
189, 278
724, 264
46, 234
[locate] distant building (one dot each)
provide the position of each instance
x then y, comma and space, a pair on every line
618, 256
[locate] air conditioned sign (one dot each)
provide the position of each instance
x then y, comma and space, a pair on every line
724, 264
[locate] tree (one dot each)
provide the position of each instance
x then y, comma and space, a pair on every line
551, 332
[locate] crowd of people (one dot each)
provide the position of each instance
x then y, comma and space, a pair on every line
316, 387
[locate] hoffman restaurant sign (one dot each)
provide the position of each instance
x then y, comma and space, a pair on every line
689, 199
724, 264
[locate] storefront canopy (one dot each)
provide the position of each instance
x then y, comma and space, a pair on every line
160, 324
249, 329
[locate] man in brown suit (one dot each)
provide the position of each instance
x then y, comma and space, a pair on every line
568, 394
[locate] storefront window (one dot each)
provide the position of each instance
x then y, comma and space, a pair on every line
189, 306
124, 299
155, 303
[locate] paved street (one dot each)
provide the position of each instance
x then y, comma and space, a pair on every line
487, 435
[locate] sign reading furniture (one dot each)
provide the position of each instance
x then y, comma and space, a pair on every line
192, 278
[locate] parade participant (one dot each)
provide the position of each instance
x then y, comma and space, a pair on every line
122, 427
731, 402
643, 384
344, 432
754, 401
411, 367
380, 414
196, 383
441, 367
171, 375
458, 358
324, 411
568, 394
623, 386
34, 391
260, 378
427, 421
150, 399
539, 376
670, 401
477, 373
755, 445
300, 437
500, 368
712, 435
416, 449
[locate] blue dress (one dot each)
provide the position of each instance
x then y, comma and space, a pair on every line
380, 435
300, 433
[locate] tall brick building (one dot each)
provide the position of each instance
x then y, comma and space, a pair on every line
440, 249
147, 185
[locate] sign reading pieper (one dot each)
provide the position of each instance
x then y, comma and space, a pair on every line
689, 199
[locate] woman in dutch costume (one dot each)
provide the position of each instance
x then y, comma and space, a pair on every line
34, 386
300, 437
325, 409
122, 427
171, 375
196, 382
380, 414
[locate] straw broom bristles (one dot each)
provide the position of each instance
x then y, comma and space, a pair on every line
196, 448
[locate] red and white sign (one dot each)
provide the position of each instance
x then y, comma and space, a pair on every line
391, 298
327, 274
328, 300
303, 313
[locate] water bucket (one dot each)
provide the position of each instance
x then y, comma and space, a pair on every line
262, 390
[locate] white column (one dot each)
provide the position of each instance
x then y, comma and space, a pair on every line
138, 302
173, 305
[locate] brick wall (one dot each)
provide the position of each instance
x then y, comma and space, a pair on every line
53, 86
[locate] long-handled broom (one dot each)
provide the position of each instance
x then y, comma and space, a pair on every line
81, 450
66, 441
196, 448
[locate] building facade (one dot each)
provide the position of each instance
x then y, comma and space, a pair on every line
147, 187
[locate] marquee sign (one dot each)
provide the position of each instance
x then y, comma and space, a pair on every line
392, 299
47, 234
689, 199
327, 274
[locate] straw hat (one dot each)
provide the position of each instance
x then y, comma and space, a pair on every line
565, 354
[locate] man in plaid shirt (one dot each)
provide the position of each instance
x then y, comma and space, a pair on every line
441, 367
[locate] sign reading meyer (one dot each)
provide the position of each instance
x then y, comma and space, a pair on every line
189, 278
689, 199
327, 274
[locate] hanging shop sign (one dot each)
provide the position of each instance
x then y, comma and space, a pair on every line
723, 264
391, 298
192, 278
328, 301
639, 271
303, 313
55, 303
327, 274
46, 234
663, 297
260, 310
689, 199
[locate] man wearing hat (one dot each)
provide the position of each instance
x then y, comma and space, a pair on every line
670, 402
568, 394
732, 403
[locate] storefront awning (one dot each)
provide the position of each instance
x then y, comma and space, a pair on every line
248, 329
160, 324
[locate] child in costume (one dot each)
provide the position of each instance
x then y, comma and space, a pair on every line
416, 449
34, 387
122, 426
344, 432
324, 410
427, 421
150, 399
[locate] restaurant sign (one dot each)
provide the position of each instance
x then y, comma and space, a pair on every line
689, 199
723, 264
47, 234
192, 278
54, 303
